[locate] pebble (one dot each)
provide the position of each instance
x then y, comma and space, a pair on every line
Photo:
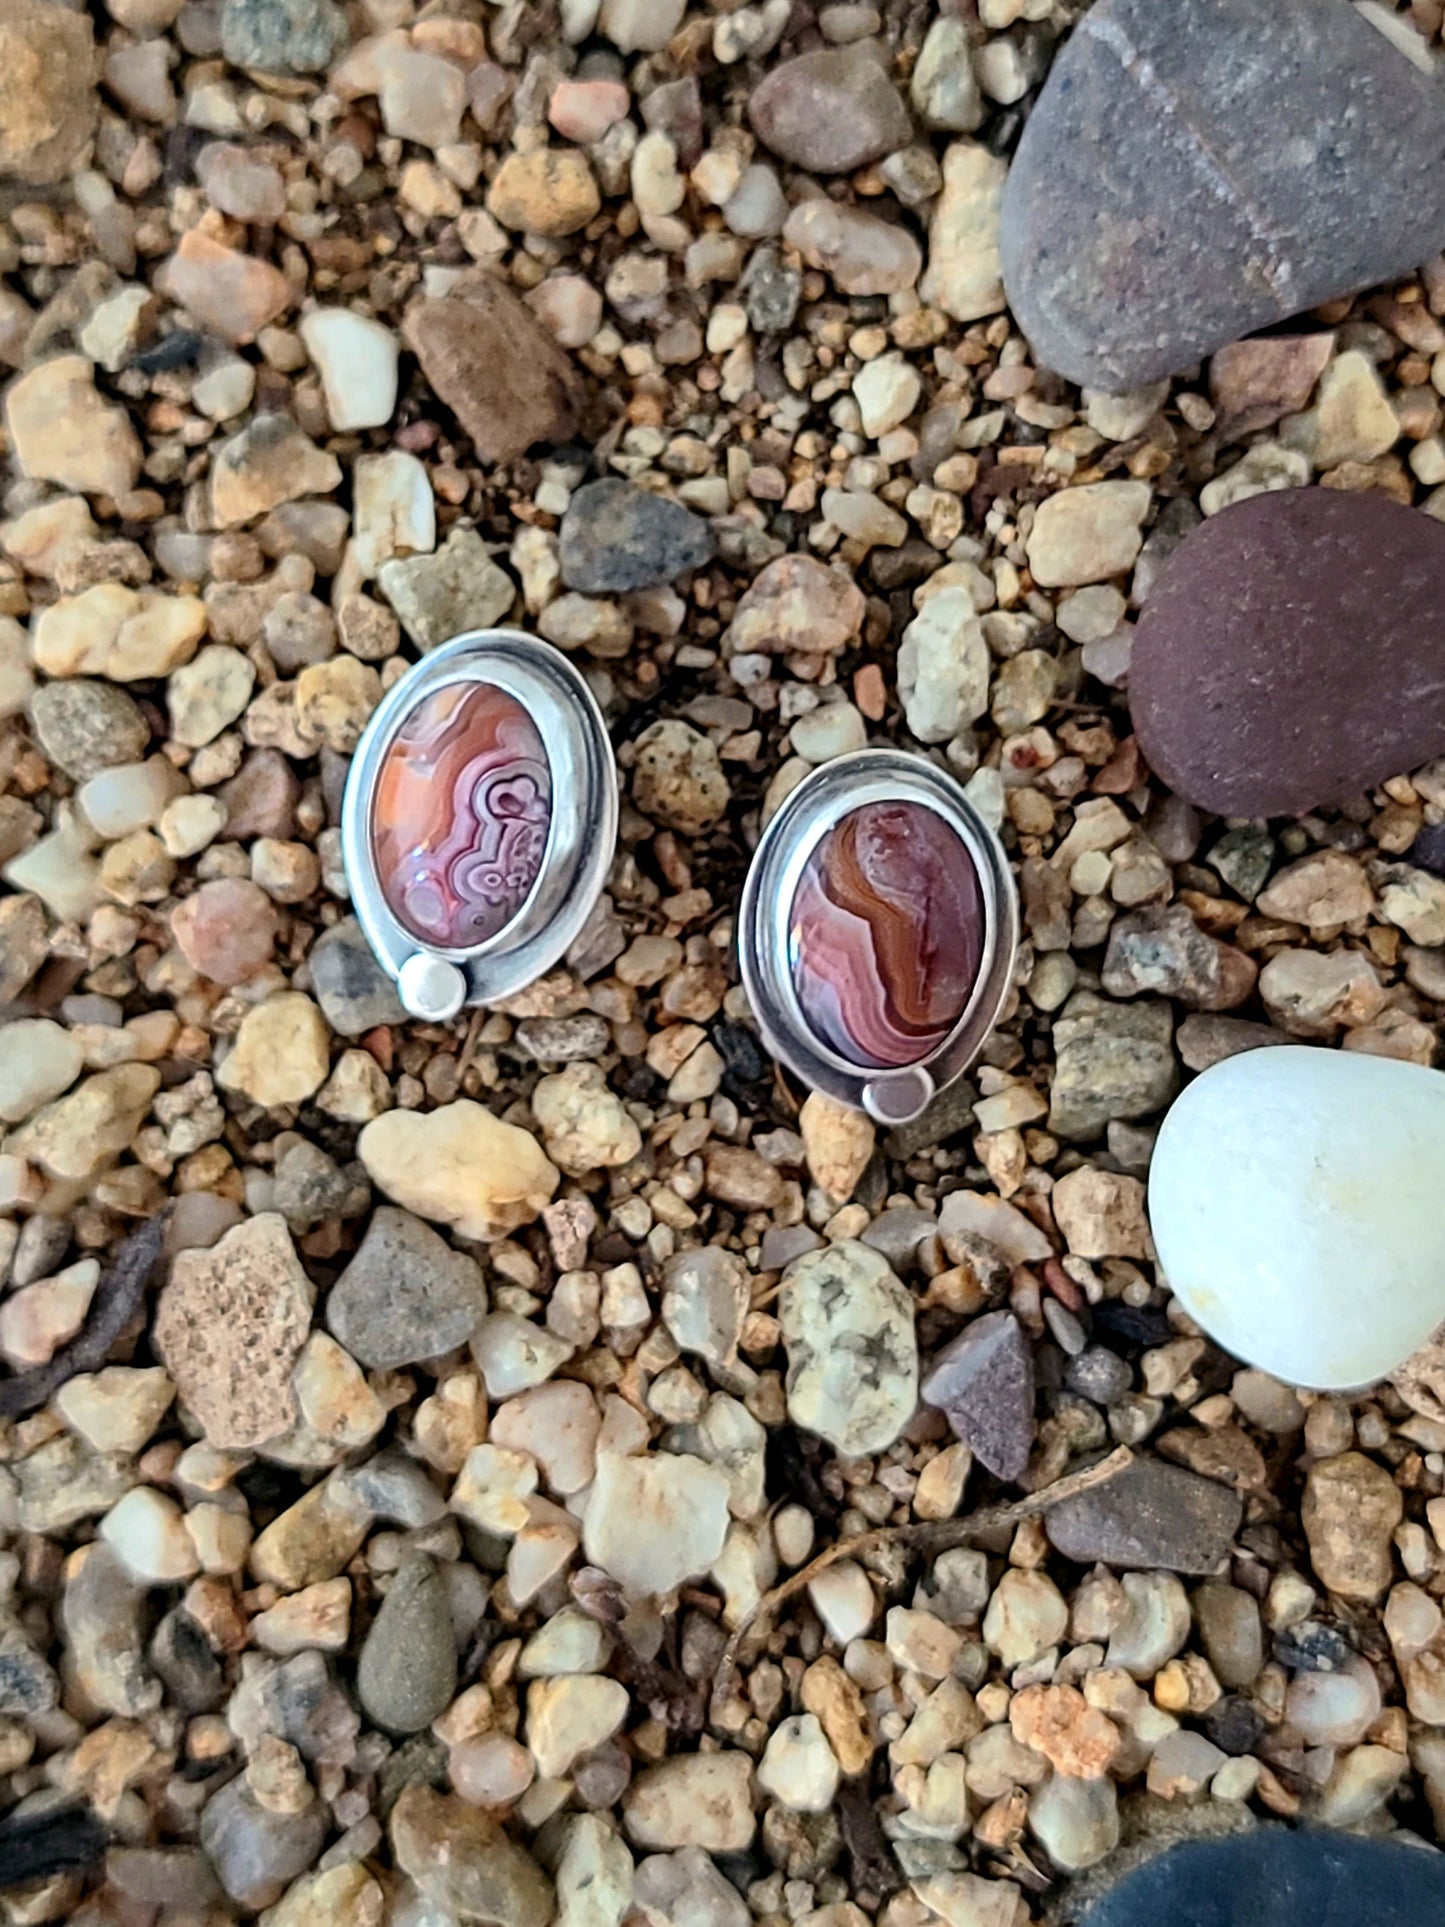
705, 1300
838, 1143
1149, 1515
944, 88
799, 1767
1350, 1510
354, 992
984, 1384
1253, 383
232, 294
229, 1327
461, 1166
653, 1522
357, 359
1154, 1625
407, 1672
847, 1324
269, 462
1088, 534
1230, 1629
439, 596
616, 538
685, 1889
226, 930
831, 111
1274, 732
585, 1126
796, 606
1112, 1061
943, 667
1075, 1821
255, 1850
692, 1800
59, 427
281, 1054
1205, 182
50, 109
118, 1408
496, 367
80, 1134
38, 1060
1026, 1616
311, 1542
465, 1865
100, 1615
861, 253
1334, 1709
119, 633
569, 1716
147, 1533
548, 191
41, 1317
1101, 1214
641, 26
962, 275
406, 1295
283, 36
677, 778
85, 727
1339, 1182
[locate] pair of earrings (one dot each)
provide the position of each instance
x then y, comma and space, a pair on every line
878, 923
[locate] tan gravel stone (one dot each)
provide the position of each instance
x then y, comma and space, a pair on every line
229, 1327
120, 633
231, 293
62, 431
1350, 1510
461, 1166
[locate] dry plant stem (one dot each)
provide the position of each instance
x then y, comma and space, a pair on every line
927, 1535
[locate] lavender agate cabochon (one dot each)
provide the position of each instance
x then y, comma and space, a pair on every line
1292, 653
1296, 1203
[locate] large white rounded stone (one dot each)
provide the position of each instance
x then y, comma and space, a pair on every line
1297, 1199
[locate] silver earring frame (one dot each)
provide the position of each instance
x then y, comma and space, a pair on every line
765, 942
433, 982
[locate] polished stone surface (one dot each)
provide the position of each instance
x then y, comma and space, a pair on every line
460, 817
887, 934
1290, 655
1313, 1246
1196, 170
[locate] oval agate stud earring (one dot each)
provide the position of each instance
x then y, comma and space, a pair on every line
878, 930
479, 821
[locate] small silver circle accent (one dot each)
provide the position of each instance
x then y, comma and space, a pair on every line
431, 987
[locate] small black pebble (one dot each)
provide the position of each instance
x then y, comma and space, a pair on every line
1234, 1726
1312, 1648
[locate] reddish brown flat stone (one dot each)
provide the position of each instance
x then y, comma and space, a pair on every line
496, 367
1290, 653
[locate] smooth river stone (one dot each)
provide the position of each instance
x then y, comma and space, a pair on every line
1290, 653
887, 931
1196, 170
1297, 1207
461, 813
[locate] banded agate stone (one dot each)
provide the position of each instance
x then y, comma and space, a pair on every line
462, 807
886, 934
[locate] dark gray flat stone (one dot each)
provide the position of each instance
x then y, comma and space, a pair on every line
1152, 1517
1199, 169
1275, 1878
616, 538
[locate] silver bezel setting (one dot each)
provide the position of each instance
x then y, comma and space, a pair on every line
581, 837
765, 941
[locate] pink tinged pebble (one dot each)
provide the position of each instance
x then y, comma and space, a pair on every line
583, 110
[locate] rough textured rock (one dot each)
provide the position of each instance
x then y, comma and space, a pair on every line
616, 538
830, 111
460, 1165
229, 1326
496, 367
852, 1355
1263, 157
48, 104
406, 1295
1150, 1516
1350, 1511
984, 1382
1251, 716
465, 1865
656, 1520
1113, 1061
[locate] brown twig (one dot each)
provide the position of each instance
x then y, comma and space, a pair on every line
117, 1299
929, 1535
